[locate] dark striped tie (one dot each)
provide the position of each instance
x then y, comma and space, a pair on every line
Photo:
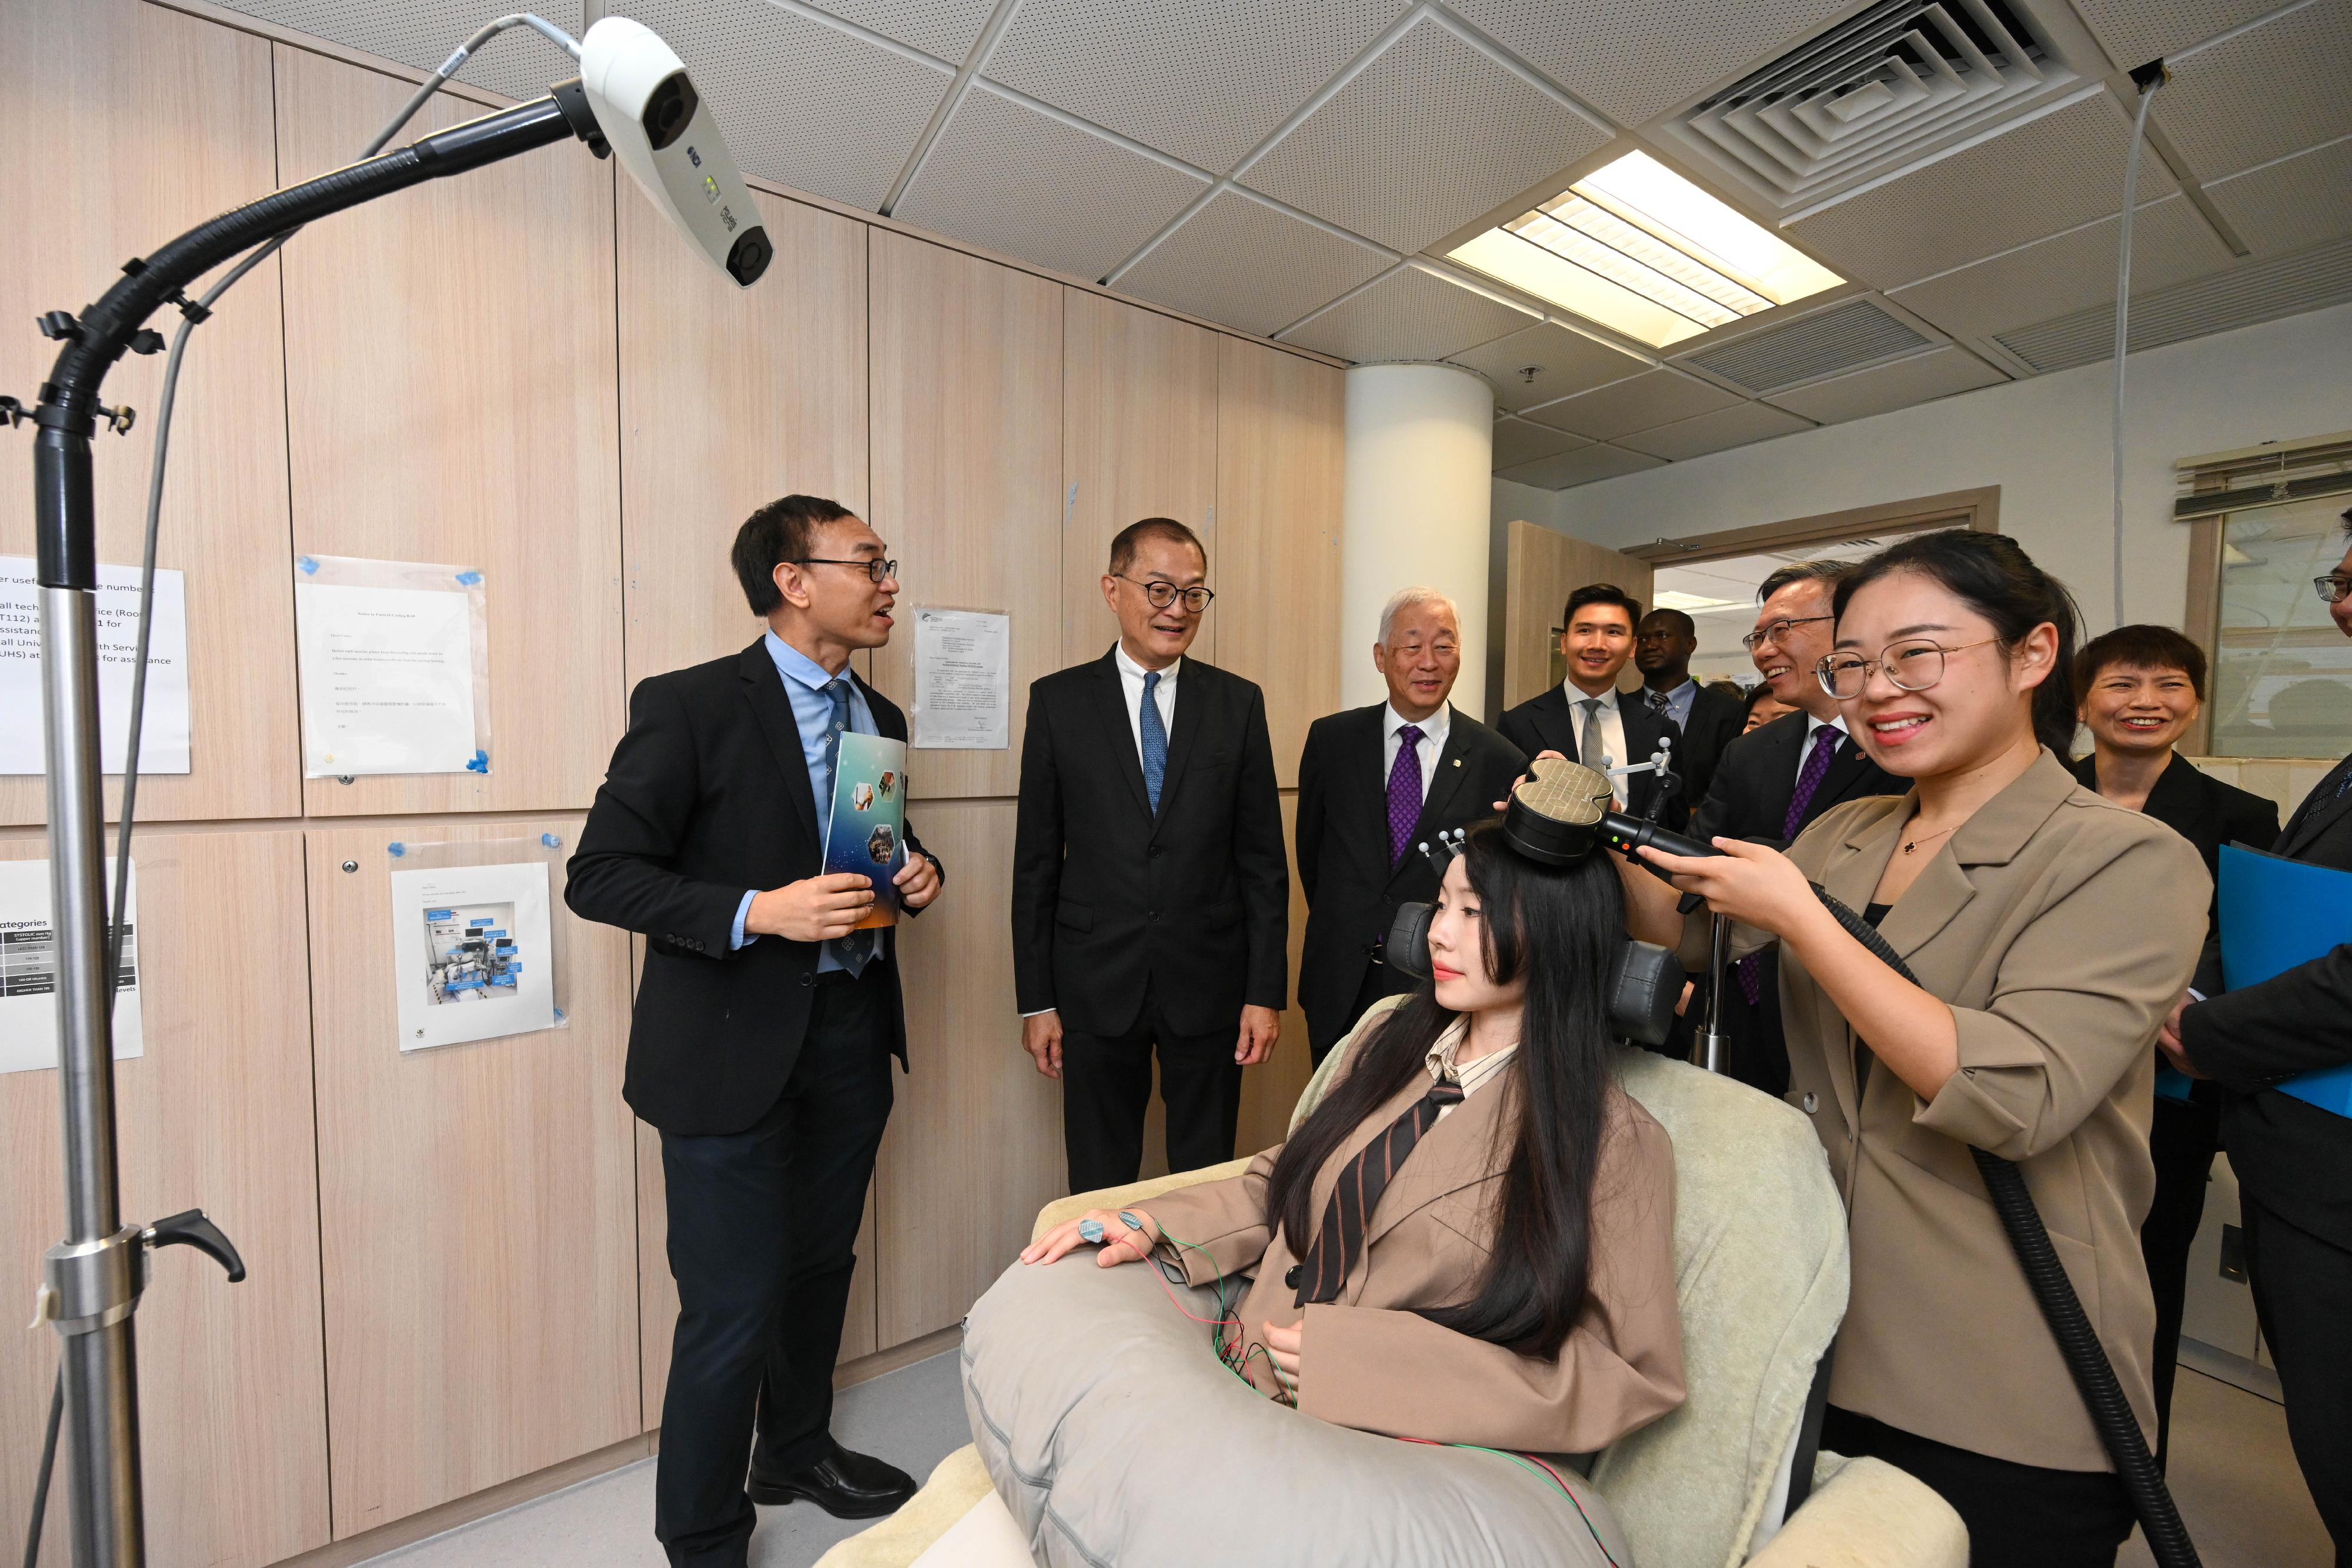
1341, 1240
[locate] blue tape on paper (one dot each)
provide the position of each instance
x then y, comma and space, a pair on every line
395, 849
550, 840
480, 764
306, 565
470, 578
558, 1014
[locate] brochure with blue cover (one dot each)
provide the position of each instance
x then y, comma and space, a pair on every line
866, 832
2276, 913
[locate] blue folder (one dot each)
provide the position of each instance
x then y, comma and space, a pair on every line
2276, 913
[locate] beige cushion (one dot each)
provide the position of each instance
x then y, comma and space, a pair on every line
1865, 1513
958, 1482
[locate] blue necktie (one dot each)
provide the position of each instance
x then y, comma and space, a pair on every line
853, 951
1155, 740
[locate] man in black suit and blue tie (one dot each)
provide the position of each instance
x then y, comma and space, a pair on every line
1151, 891
1372, 783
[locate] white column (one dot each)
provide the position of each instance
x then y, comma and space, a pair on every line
1421, 449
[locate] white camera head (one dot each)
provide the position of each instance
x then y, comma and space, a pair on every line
667, 139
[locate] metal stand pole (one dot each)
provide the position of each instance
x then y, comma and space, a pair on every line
1710, 1040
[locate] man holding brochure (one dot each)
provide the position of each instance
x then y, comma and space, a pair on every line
767, 1014
2279, 1041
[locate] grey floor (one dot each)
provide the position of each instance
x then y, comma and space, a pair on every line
2233, 1475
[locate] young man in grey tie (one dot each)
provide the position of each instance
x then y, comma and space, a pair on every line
1150, 892
1585, 716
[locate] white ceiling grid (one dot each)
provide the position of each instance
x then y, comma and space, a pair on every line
1264, 163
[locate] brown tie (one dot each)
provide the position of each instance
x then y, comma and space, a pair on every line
1341, 1240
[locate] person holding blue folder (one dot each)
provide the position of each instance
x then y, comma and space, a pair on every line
2280, 1045
2140, 688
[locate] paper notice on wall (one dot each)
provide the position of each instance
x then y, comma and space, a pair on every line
163, 727
470, 950
28, 969
964, 693
387, 680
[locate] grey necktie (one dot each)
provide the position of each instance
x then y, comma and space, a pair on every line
1588, 745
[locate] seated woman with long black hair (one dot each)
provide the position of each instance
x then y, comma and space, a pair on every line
1470, 1239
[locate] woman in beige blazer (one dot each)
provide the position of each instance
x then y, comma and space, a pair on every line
1507, 1277
2050, 930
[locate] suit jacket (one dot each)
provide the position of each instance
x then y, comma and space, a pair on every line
1546, 722
1109, 897
1375, 1364
2293, 1156
2202, 809
708, 795
2059, 928
1714, 723
1352, 887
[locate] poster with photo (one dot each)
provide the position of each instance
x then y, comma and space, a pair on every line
471, 953
28, 970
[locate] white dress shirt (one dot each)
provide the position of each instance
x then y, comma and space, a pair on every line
1612, 726
1472, 1076
1812, 727
1130, 681
1428, 749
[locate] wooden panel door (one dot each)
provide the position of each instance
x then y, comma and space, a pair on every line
1138, 440
967, 471
1281, 452
729, 398
125, 124
1545, 568
216, 1115
975, 1143
478, 1204
450, 398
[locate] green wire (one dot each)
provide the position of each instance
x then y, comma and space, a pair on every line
1225, 1315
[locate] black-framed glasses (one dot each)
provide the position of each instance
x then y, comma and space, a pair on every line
1778, 628
2335, 588
1912, 666
874, 569
1162, 594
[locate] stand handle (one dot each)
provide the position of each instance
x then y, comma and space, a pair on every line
189, 1228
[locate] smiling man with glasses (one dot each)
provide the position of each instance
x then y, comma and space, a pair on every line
1150, 892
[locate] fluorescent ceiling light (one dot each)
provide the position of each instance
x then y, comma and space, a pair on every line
1694, 603
1637, 248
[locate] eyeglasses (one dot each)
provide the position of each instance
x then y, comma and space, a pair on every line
1779, 629
1163, 594
1910, 667
2335, 588
875, 570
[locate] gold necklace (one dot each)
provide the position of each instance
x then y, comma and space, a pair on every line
1915, 843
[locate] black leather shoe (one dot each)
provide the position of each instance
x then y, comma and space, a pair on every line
845, 1485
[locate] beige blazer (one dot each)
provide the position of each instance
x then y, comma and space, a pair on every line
2060, 927
1369, 1361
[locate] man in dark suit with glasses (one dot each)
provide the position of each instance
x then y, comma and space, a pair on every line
1151, 891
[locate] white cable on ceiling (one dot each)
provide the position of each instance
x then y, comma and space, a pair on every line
2123, 324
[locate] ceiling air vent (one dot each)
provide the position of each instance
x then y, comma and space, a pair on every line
1842, 337
2241, 297
1884, 89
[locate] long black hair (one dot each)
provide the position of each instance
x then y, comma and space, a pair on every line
1560, 927
1999, 583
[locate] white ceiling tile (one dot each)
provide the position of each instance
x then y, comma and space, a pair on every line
1882, 388
2170, 241
1581, 466
1246, 264
2064, 169
1005, 176
1632, 58
518, 64
1413, 313
1205, 80
2290, 203
1563, 361
2135, 31
1428, 136
1718, 431
944, 28
2262, 94
1642, 402
802, 102
1518, 442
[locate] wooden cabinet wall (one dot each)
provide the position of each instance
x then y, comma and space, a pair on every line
458, 1275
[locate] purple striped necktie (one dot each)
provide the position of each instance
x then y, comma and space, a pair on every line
1750, 971
1323, 1272
1404, 791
